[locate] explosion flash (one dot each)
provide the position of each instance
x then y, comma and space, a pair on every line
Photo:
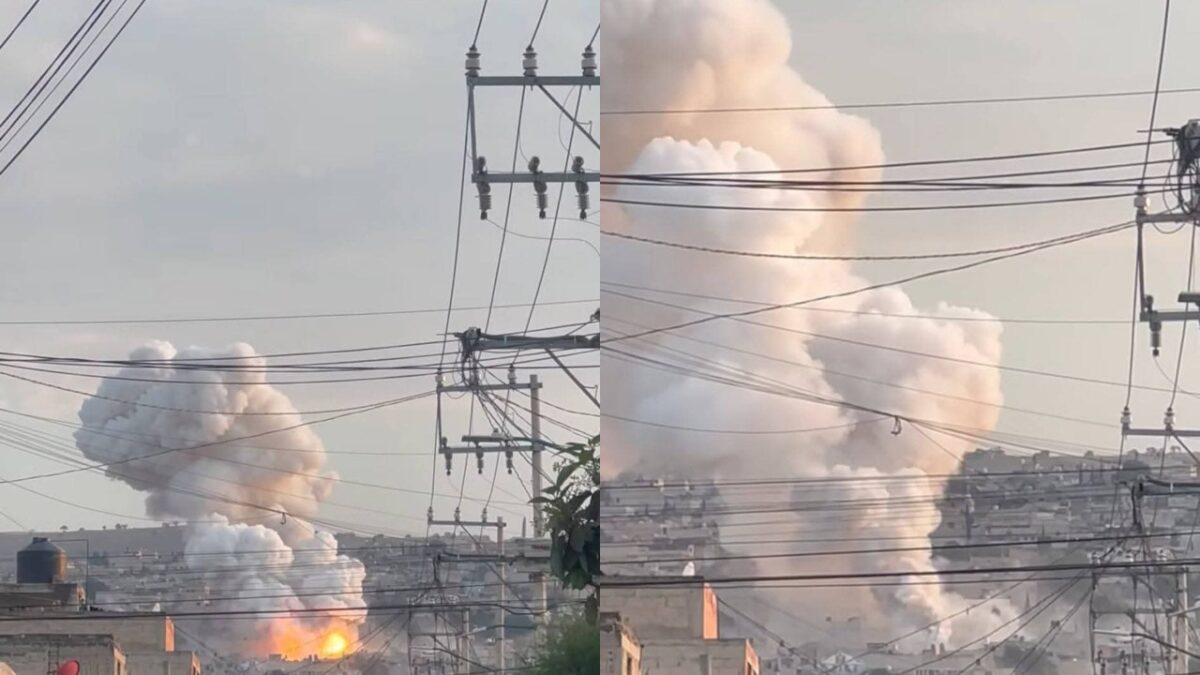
334, 645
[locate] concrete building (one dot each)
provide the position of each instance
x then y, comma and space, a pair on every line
135, 633
52, 611
38, 654
620, 652
681, 611
309, 666
41, 597
163, 663
732, 656
147, 643
676, 626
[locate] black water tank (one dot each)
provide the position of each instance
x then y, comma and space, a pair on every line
41, 562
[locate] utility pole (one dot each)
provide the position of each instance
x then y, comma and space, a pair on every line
1187, 195
537, 578
1175, 605
441, 629
464, 641
500, 443
1186, 187
475, 342
502, 573
529, 77
1180, 632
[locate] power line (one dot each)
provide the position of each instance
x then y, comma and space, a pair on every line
780, 389
893, 315
903, 280
74, 87
868, 209
1162, 51
41, 100
723, 177
860, 258
893, 549
507, 205
411, 371
538, 26
33, 436
618, 582
827, 372
277, 317
307, 611
1028, 615
1037, 154
827, 505
364, 453
906, 186
739, 432
524, 235
1085, 96
557, 206
52, 69
376, 406
12, 32
759, 483
479, 25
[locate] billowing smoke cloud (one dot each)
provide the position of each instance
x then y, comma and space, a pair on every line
686, 54
173, 432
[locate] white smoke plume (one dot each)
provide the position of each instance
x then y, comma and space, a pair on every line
172, 432
687, 54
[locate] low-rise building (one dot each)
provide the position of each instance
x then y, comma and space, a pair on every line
38, 653
620, 651
675, 611
676, 625
36, 615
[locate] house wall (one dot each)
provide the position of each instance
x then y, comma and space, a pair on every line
674, 612
38, 654
699, 657
140, 634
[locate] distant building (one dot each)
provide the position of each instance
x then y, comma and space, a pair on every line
45, 621
687, 611
676, 626
38, 654
841, 663
620, 651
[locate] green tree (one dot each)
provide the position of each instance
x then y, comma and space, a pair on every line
571, 647
572, 509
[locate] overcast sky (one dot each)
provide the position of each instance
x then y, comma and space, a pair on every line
231, 158
303, 157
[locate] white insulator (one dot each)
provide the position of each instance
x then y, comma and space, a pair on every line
529, 62
473, 64
585, 204
588, 62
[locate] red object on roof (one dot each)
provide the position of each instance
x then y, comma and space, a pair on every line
69, 668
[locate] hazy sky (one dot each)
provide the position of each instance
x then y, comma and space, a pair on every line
231, 158
856, 52
303, 157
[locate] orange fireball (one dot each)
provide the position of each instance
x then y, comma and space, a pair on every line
334, 645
